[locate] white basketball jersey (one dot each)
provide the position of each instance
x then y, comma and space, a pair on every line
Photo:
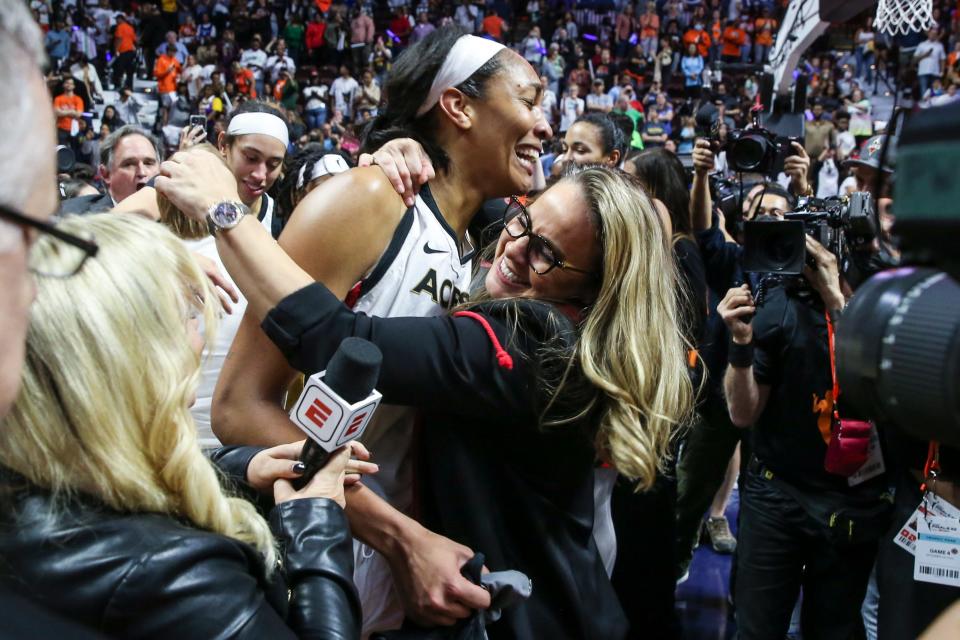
420, 274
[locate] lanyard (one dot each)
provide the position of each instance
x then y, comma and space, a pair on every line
833, 365
932, 466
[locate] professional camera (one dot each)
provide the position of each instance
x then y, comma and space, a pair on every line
757, 150
898, 341
842, 224
726, 195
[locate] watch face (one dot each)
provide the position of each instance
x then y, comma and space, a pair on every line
226, 214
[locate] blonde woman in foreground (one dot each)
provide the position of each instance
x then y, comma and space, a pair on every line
570, 359
111, 514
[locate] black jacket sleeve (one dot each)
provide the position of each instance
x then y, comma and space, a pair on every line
199, 587
446, 363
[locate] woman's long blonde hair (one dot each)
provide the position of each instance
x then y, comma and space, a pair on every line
103, 408
630, 349
631, 345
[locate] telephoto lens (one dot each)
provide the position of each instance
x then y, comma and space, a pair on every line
898, 352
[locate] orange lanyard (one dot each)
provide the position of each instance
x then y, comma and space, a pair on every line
932, 465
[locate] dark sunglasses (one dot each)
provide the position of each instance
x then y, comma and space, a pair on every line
541, 254
71, 252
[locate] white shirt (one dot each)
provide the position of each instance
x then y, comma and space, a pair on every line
846, 143
601, 102
343, 90
255, 60
570, 110
274, 63
930, 65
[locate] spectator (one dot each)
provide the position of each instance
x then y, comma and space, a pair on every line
699, 37
361, 39
598, 100
605, 68
553, 67
129, 158
716, 35
314, 38
128, 109
423, 28
402, 26
244, 80
368, 95
188, 32
533, 48
315, 94
733, 39
58, 44
746, 49
255, 59
84, 72
192, 76
494, 25
649, 23
286, 91
279, 61
571, 107
68, 107
861, 116
549, 101
764, 28
930, 58
112, 119
167, 72
662, 112
344, 91
624, 29
206, 30
692, 67
864, 41
468, 16
818, 133
179, 50
580, 76
381, 59
293, 35
846, 142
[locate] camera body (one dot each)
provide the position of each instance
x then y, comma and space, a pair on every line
757, 150
841, 224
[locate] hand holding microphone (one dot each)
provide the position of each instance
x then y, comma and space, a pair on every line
337, 404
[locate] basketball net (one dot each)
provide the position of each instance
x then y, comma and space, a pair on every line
900, 17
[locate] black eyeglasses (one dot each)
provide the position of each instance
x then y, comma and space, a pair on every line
541, 255
59, 259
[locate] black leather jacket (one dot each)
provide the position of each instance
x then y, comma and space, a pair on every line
143, 575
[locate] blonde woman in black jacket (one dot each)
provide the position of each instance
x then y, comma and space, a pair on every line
112, 517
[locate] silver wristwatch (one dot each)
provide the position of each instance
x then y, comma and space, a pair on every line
225, 215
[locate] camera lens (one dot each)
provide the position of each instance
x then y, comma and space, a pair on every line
898, 352
748, 152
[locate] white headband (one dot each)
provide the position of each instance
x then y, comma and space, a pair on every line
330, 164
259, 122
468, 54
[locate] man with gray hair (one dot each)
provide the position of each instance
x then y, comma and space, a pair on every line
129, 158
28, 198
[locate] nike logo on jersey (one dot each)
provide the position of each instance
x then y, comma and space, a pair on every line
428, 249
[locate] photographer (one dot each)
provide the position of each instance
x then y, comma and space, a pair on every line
801, 525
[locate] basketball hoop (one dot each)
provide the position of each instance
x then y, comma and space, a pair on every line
900, 17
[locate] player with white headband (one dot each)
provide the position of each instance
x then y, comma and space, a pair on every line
475, 107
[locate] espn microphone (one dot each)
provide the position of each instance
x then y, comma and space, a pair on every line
336, 404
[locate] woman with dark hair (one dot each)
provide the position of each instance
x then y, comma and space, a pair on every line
594, 138
111, 118
475, 107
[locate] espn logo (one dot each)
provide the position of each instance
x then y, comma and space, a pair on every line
328, 419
